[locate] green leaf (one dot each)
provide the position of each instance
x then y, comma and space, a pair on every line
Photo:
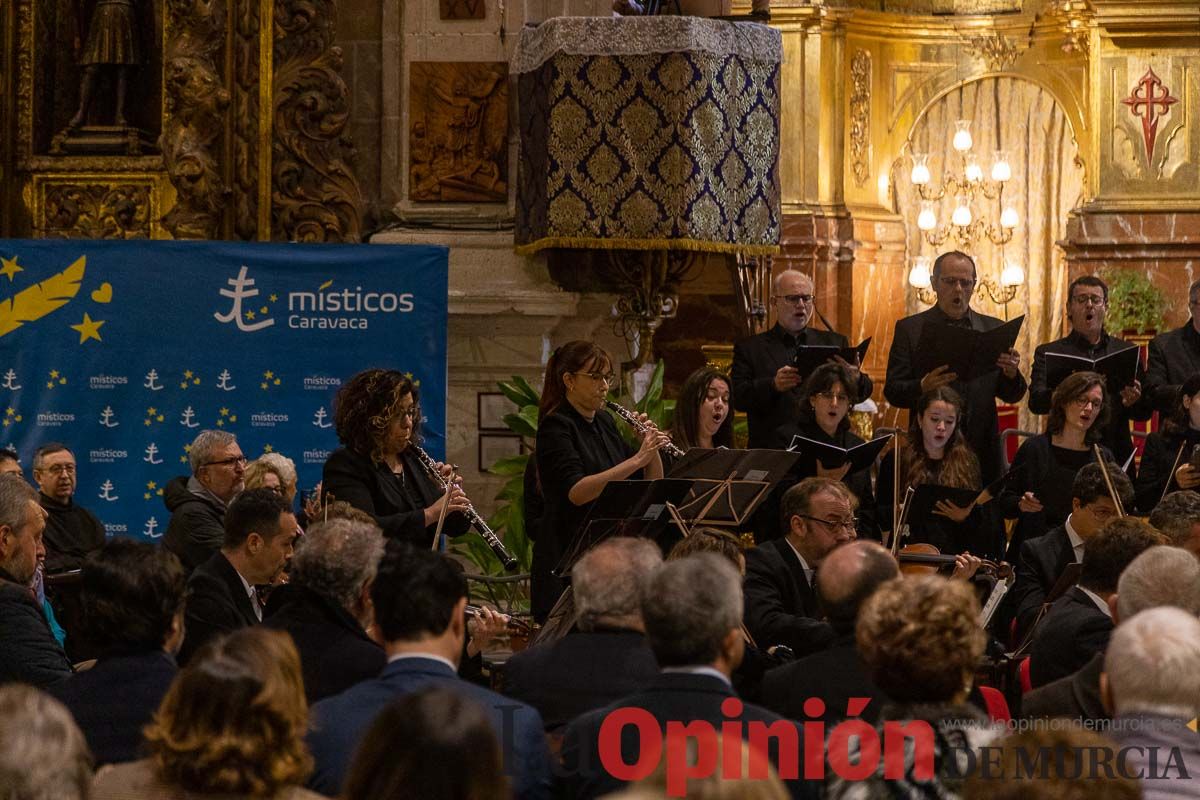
532, 396
511, 465
519, 424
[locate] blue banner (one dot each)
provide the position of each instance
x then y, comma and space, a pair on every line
124, 351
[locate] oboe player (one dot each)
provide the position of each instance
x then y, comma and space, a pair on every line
579, 450
377, 418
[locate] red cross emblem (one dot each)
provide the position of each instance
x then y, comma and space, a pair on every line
1149, 100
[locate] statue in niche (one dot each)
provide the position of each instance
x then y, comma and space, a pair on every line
458, 139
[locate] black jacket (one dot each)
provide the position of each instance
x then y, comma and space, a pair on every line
29, 653
1174, 357
217, 603
1042, 561
1075, 697
115, 699
197, 526
71, 533
335, 651
579, 672
1156, 474
903, 386
781, 606
835, 675
1074, 630
398, 506
755, 362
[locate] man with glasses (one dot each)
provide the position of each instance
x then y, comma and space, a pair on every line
71, 530
954, 281
765, 384
1087, 305
1174, 357
197, 502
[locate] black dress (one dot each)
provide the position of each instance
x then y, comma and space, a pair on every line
569, 448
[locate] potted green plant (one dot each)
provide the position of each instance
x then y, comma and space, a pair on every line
1136, 306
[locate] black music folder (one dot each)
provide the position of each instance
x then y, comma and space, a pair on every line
1119, 369
810, 356
927, 495
969, 353
861, 456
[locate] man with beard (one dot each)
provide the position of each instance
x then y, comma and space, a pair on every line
71, 530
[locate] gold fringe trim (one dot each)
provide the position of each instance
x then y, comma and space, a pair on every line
695, 245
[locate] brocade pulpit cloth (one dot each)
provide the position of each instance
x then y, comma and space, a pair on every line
648, 133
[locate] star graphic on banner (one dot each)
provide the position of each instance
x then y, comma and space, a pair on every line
10, 268
146, 495
152, 411
224, 412
268, 449
53, 373
183, 459
151, 485
268, 374
6, 422
249, 314
233, 417
220, 423
50, 385
8, 412
263, 384
187, 448
273, 298
88, 329
187, 373
146, 422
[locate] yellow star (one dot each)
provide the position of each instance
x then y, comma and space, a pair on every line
268, 374
268, 449
249, 314
9, 412
53, 373
187, 448
183, 459
50, 384
273, 298
224, 412
146, 495
151, 485
10, 268
263, 385
187, 373
146, 422
152, 411
183, 385
6, 423
220, 423
88, 329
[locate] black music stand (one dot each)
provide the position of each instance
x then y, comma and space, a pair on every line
728, 485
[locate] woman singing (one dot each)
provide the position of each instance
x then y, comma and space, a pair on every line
702, 417
378, 471
1165, 467
579, 450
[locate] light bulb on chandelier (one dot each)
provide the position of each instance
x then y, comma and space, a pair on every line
920, 170
1001, 171
927, 219
1012, 274
1008, 217
973, 171
920, 277
962, 213
962, 136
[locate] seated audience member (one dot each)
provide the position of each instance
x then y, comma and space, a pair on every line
921, 642
1152, 686
10, 462
724, 783
448, 752
71, 530
260, 531
1079, 623
273, 471
1067, 754
29, 653
43, 756
1042, 560
849, 575
1178, 518
132, 595
419, 599
198, 503
781, 605
231, 725
1166, 464
1161, 576
692, 611
606, 656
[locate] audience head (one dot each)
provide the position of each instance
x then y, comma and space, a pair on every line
693, 613
920, 639
448, 752
953, 278
1159, 576
260, 531
22, 521
818, 514
338, 560
43, 755
579, 373
1150, 665
723, 783
1111, 550
1087, 304
792, 294
217, 462
54, 471
1079, 402
1178, 518
234, 719
704, 408
848, 577
828, 395
1185, 415
1065, 753
10, 462
273, 471
609, 579
419, 597
377, 413
132, 595
1091, 504
711, 540
340, 509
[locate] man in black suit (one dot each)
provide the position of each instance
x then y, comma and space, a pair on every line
198, 502
326, 605
1079, 623
133, 593
849, 575
71, 530
781, 605
692, 610
765, 384
954, 281
1044, 558
606, 656
1087, 305
1174, 357
260, 531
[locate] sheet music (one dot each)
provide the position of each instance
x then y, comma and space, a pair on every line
993, 602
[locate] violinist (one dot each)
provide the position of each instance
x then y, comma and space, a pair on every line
1168, 460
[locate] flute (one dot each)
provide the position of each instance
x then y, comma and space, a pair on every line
477, 522
512, 623
671, 449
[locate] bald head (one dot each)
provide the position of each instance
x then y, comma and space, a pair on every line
1161, 576
608, 582
848, 576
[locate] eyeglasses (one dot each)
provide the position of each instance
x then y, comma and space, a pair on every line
240, 460
1101, 512
58, 469
414, 413
795, 299
962, 283
606, 377
833, 397
850, 524
1087, 402
1088, 300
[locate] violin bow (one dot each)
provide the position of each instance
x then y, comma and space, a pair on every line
1112, 492
1171, 474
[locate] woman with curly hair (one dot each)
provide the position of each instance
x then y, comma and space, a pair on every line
378, 420
232, 724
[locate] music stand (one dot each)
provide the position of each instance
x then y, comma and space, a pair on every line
728, 485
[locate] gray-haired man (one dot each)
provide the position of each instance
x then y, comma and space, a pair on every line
197, 502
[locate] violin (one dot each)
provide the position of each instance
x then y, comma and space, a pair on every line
925, 558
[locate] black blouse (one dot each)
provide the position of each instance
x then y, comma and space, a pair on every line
1049, 472
1156, 475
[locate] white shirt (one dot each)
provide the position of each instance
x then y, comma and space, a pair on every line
701, 670
1098, 600
430, 656
1076, 541
808, 571
252, 594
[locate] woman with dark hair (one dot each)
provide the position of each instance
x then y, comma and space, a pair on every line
1165, 466
579, 450
447, 751
377, 470
232, 724
702, 412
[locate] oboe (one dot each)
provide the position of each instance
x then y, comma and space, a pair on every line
512, 623
493, 541
671, 449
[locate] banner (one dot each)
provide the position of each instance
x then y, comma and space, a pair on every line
124, 351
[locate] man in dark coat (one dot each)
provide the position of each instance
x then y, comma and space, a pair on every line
71, 530
765, 384
197, 503
953, 281
1174, 357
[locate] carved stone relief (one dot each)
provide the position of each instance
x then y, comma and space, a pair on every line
96, 210
860, 116
995, 50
